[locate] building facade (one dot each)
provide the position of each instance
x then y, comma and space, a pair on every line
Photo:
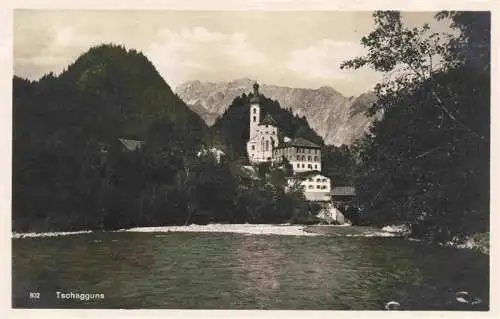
304, 156
263, 134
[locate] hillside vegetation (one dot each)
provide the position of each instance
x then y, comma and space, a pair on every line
70, 171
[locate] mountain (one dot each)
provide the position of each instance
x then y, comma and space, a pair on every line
66, 129
336, 118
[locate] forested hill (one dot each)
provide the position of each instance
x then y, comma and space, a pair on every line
233, 125
61, 124
109, 90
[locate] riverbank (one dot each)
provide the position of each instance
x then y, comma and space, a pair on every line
250, 229
478, 242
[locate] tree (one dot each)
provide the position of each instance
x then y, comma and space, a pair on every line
427, 160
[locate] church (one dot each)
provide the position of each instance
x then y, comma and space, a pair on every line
305, 156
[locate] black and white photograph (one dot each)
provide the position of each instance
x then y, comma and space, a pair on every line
251, 159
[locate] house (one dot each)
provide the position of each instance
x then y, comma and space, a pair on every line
213, 151
130, 145
315, 186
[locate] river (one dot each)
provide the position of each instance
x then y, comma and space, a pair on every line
184, 270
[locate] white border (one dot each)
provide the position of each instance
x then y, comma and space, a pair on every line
6, 16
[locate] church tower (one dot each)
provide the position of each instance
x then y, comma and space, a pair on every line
254, 111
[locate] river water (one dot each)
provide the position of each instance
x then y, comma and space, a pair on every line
243, 271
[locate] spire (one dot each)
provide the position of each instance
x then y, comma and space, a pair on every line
255, 97
256, 88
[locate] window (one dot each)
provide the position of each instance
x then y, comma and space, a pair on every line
309, 158
315, 165
318, 180
310, 186
253, 147
254, 118
309, 151
317, 187
267, 145
324, 180
298, 165
298, 157
315, 158
267, 126
303, 166
303, 157
309, 166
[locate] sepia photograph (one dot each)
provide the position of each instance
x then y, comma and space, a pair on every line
251, 159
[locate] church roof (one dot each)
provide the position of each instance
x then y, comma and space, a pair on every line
300, 142
268, 120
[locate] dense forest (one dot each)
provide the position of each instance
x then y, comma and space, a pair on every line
71, 172
427, 163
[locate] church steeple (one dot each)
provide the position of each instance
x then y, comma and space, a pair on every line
255, 96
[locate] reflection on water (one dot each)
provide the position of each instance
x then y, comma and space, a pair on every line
234, 271
260, 260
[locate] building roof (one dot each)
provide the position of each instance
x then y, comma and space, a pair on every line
306, 174
343, 191
268, 120
300, 142
131, 145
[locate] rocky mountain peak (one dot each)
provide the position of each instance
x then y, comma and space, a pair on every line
336, 118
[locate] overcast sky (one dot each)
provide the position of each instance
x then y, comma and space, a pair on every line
295, 49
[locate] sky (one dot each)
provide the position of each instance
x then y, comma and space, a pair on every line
294, 49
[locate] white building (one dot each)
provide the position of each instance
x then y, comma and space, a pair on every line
302, 154
263, 134
305, 157
315, 186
